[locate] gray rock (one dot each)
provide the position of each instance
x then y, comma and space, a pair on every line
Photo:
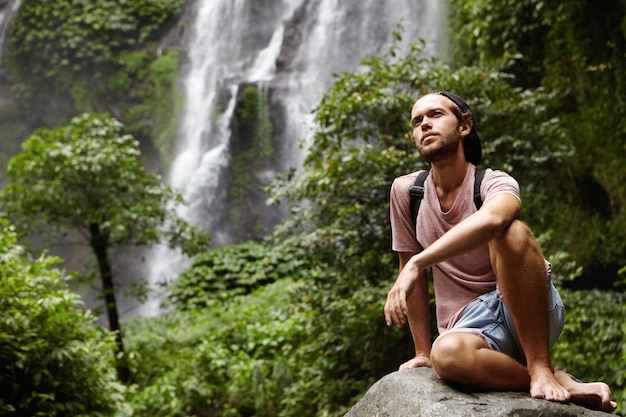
419, 392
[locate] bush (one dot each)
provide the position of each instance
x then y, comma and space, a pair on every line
287, 349
592, 346
240, 269
53, 362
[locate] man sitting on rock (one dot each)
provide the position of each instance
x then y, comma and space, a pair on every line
497, 312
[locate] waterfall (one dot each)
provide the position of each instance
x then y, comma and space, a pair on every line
225, 52
6, 13
289, 48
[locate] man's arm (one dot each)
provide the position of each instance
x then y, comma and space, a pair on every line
417, 301
419, 317
494, 217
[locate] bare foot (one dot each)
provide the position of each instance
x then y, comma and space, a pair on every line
544, 385
593, 395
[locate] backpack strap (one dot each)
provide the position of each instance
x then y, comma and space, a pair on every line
417, 192
479, 174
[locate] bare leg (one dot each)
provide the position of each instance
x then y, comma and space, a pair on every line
465, 358
521, 272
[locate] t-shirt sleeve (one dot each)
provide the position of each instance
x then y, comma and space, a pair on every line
498, 182
402, 227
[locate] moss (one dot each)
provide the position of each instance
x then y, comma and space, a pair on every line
255, 126
166, 102
154, 117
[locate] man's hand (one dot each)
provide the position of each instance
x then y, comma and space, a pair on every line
396, 305
418, 361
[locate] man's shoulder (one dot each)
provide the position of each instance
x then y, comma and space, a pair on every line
496, 174
407, 180
496, 182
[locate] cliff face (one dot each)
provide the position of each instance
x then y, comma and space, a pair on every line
419, 392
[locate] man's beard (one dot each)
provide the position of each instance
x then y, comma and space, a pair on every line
442, 150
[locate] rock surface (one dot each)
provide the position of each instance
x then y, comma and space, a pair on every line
419, 392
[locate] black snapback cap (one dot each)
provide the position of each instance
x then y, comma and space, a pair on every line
471, 143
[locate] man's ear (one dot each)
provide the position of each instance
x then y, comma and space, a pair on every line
465, 127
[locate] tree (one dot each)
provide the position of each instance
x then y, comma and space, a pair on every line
88, 176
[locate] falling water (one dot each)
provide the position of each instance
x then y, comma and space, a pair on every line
6, 14
240, 42
219, 60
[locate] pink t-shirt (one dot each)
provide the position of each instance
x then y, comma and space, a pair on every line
461, 279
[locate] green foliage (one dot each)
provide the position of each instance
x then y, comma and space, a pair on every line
293, 326
505, 31
576, 51
154, 116
49, 38
222, 350
219, 274
274, 352
360, 145
53, 360
260, 330
72, 56
254, 123
88, 177
86, 174
592, 346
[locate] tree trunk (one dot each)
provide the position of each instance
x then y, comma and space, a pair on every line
99, 243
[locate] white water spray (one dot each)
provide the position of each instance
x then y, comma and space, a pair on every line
5, 17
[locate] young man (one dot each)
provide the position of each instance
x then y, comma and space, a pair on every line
497, 312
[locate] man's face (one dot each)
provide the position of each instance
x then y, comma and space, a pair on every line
435, 128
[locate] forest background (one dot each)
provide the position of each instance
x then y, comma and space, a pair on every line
292, 325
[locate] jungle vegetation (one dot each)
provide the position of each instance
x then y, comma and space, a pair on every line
292, 325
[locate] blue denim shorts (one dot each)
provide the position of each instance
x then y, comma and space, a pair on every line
488, 317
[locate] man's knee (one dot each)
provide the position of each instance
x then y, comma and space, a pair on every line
452, 354
516, 242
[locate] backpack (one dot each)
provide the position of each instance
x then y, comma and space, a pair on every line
417, 192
